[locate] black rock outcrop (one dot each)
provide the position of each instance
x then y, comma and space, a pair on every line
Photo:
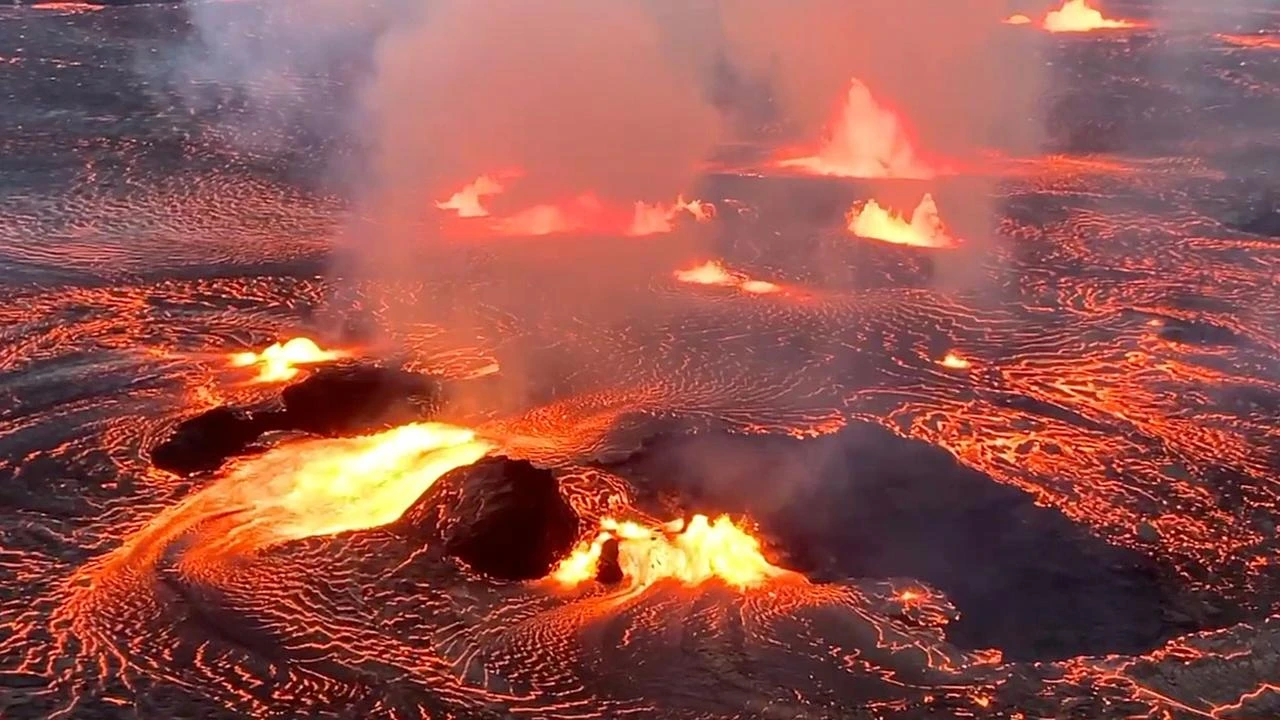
504, 518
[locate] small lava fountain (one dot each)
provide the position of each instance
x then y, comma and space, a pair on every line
924, 229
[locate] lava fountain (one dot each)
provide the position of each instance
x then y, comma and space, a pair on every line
713, 273
468, 202
866, 139
1078, 16
692, 554
924, 229
279, 362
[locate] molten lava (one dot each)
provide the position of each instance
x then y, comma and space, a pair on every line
1262, 41
1077, 16
279, 362
1018, 19
925, 229
954, 362
691, 554
713, 273
324, 487
587, 213
865, 140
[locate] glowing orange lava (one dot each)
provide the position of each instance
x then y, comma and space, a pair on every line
713, 273
925, 229
1018, 19
323, 487
1077, 16
584, 212
692, 554
70, 7
279, 362
1268, 42
954, 361
865, 140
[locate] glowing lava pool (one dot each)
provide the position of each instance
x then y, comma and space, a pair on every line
942, 399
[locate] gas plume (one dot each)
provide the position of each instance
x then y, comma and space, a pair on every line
576, 93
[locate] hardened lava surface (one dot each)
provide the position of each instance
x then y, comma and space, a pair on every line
1079, 520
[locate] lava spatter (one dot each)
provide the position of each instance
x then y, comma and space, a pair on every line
690, 553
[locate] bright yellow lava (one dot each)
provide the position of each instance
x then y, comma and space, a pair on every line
1077, 16
924, 229
279, 362
323, 487
691, 554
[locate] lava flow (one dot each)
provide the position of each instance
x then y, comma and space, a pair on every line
924, 229
1078, 16
280, 361
691, 554
1258, 41
713, 273
321, 487
866, 139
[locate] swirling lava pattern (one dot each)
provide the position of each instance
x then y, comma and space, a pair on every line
1120, 329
